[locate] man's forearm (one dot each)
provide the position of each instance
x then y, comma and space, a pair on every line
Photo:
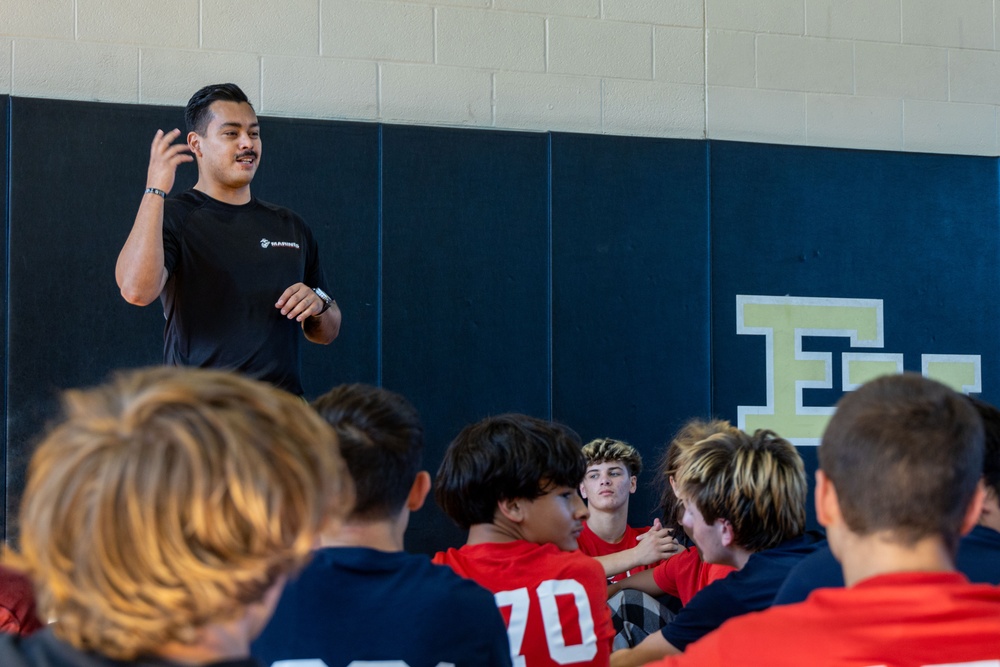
323, 328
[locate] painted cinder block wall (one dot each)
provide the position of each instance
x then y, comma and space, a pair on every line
909, 75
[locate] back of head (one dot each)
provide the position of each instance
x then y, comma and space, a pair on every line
170, 499
757, 483
690, 434
197, 114
904, 454
606, 450
505, 457
382, 441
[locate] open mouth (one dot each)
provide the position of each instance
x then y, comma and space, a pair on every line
246, 158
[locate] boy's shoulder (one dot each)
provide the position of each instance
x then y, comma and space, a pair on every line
540, 561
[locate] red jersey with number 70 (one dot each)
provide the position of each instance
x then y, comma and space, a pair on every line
554, 602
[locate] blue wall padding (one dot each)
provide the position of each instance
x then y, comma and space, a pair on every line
590, 279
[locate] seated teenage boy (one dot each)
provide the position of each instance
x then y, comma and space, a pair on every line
362, 567
613, 469
900, 463
978, 552
684, 574
638, 605
744, 506
512, 481
163, 515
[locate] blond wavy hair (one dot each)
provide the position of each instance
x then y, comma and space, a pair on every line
755, 482
605, 450
168, 499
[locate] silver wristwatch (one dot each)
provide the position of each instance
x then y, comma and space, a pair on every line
327, 301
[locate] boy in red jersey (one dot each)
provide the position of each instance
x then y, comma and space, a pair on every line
512, 481
900, 464
613, 469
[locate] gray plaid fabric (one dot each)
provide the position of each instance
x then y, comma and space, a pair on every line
635, 616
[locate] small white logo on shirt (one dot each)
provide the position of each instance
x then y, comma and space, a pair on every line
264, 243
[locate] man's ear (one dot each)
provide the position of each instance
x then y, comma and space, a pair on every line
727, 535
194, 143
975, 509
827, 504
583, 491
513, 509
632, 486
418, 492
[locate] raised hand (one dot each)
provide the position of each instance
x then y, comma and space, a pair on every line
164, 156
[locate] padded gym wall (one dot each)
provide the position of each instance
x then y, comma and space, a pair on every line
591, 279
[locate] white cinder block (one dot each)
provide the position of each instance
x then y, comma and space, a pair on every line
290, 27
548, 102
732, 58
892, 70
145, 22
319, 87
679, 55
586, 8
38, 18
436, 95
975, 76
651, 108
170, 77
600, 48
872, 20
966, 24
75, 70
940, 127
6, 51
480, 4
744, 114
783, 16
489, 39
361, 29
848, 121
690, 13
805, 63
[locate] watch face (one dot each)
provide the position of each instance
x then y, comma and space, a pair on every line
323, 295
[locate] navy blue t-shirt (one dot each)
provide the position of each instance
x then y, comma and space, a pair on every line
978, 559
751, 588
353, 603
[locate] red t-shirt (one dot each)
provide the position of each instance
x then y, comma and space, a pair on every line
554, 602
17, 604
594, 546
684, 574
912, 619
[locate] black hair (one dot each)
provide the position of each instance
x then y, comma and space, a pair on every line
382, 441
990, 416
197, 114
502, 458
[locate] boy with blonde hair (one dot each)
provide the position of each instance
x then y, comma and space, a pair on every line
744, 506
512, 481
163, 514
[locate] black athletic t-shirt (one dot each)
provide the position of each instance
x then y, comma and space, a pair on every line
227, 267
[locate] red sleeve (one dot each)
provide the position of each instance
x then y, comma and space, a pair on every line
17, 604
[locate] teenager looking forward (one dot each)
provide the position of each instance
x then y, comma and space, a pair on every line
899, 481
336, 612
613, 468
511, 481
237, 277
744, 506
163, 515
